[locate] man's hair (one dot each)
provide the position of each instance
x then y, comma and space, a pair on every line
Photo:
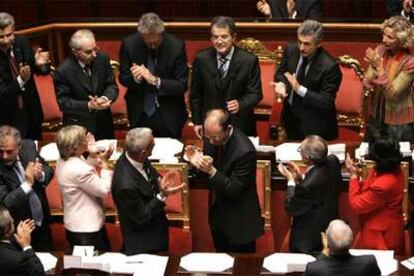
312, 28
401, 26
150, 23
79, 36
137, 139
222, 117
8, 131
315, 148
223, 22
5, 224
6, 19
68, 139
339, 236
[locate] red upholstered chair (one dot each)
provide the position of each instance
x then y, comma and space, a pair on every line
118, 108
54, 197
59, 237
268, 64
52, 114
265, 244
114, 235
178, 210
405, 248
351, 100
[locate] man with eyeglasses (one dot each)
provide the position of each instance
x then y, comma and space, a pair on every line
20, 105
85, 86
225, 76
312, 198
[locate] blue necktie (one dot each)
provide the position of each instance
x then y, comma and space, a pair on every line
149, 97
34, 201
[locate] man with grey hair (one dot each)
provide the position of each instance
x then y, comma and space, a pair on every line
225, 76
140, 193
337, 260
85, 86
312, 199
15, 261
154, 69
23, 179
308, 80
19, 99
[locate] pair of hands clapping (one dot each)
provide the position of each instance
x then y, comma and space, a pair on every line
200, 161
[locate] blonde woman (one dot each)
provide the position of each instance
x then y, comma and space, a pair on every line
82, 187
390, 74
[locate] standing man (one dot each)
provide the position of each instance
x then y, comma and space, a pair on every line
23, 179
154, 69
290, 9
15, 261
19, 100
225, 76
140, 193
85, 87
230, 162
308, 80
311, 200
337, 260
401, 7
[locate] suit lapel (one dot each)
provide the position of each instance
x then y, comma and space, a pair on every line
81, 76
95, 68
283, 9
140, 181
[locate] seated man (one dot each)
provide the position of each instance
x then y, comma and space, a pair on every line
336, 259
312, 200
13, 260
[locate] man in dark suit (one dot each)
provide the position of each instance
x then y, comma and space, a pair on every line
312, 201
154, 69
290, 9
85, 87
401, 7
225, 76
230, 162
308, 79
15, 261
336, 259
23, 179
140, 196
19, 100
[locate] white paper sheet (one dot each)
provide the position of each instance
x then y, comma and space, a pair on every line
339, 150
72, 261
49, 152
48, 260
287, 152
362, 150
287, 262
165, 149
207, 262
385, 259
83, 251
408, 263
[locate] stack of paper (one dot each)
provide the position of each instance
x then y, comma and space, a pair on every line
408, 263
165, 150
385, 259
261, 148
339, 150
287, 262
49, 152
362, 151
207, 262
287, 152
48, 260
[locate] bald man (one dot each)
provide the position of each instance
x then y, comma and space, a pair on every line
235, 219
337, 260
312, 199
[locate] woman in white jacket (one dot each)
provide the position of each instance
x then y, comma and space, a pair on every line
84, 182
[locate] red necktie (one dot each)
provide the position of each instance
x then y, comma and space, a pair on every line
15, 73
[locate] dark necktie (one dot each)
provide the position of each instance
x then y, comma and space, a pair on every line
150, 97
15, 73
87, 70
222, 67
302, 70
34, 201
150, 178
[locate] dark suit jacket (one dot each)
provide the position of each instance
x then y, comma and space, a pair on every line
171, 68
14, 261
313, 203
241, 83
317, 109
13, 197
395, 7
73, 87
143, 221
343, 266
305, 9
236, 210
27, 120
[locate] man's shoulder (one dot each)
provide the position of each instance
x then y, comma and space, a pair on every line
245, 55
204, 54
132, 38
21, 40
324, 57
172, 39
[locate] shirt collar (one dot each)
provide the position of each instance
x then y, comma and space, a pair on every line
228, 56
137, 165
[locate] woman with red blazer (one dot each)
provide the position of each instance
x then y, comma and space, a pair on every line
378, 199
